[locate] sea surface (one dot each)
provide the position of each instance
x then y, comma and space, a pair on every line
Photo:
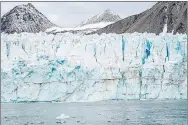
145, 112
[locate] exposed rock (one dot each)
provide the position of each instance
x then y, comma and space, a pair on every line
153, 20
24, 18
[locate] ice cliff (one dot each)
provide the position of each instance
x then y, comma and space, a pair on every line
75, 68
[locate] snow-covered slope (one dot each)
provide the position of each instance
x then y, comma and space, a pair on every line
106, 16
70, 67
80, 29
24, 18
96, 22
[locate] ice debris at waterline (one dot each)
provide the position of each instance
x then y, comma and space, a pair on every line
77, 68
62, 116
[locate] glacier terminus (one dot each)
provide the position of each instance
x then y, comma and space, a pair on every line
84, 68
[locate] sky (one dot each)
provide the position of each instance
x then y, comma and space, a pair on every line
71, 14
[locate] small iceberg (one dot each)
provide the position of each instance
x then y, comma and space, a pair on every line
62, 116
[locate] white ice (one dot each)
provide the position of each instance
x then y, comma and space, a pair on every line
62, 116
80, 68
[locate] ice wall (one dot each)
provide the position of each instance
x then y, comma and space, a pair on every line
73, 68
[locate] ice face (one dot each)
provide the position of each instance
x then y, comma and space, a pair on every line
72, 68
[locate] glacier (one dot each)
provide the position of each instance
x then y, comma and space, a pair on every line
81, 68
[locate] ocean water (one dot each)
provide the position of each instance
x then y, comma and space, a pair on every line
145, 112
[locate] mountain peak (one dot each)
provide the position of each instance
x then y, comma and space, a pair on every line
24, 18
107, 11
29, 4
105, 16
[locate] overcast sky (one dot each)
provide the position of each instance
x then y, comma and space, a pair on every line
71, 14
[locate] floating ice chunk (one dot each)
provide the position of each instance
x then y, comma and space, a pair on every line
62, 116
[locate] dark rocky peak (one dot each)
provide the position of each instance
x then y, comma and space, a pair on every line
24, 18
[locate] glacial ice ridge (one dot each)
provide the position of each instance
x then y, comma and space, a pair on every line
81, 68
